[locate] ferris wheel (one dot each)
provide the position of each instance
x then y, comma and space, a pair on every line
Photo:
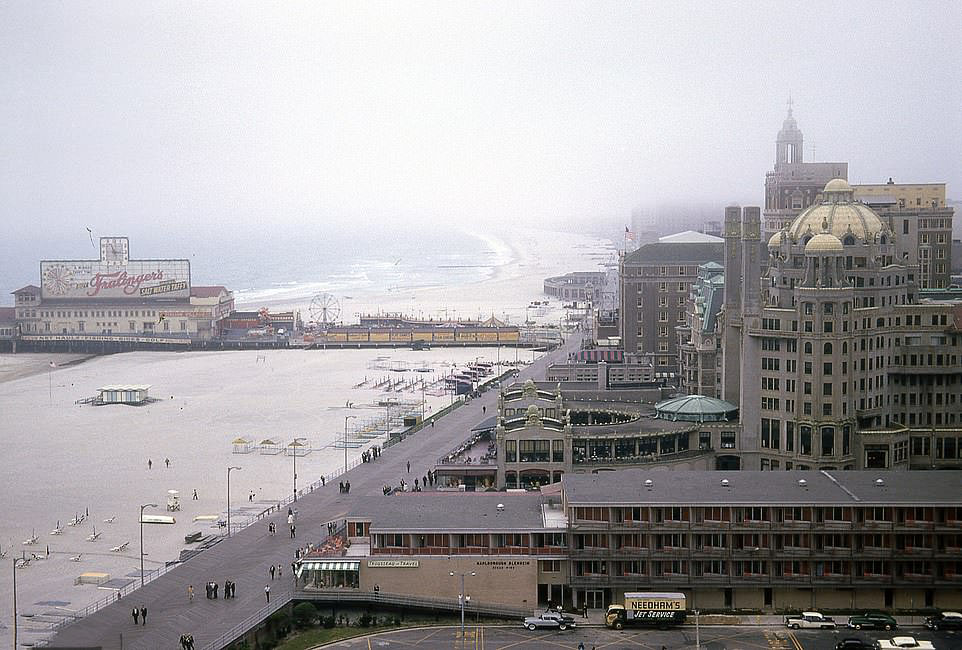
325, 309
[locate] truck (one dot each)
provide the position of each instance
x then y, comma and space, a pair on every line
812, 620
648, 608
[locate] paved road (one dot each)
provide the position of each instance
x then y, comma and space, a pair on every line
246, 556
746, 637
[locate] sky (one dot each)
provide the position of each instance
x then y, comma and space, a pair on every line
132, 116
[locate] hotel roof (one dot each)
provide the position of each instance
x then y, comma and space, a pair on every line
455, 511
690, 487
677, 253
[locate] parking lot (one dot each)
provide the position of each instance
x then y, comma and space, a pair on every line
711, 638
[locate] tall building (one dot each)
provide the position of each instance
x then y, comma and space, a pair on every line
793, 184
919, 215
833, 360
699, 346
655, 283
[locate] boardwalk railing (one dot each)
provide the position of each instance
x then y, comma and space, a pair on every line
248, 623
408, 601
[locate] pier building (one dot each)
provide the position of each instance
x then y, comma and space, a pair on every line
116, 299
762, 541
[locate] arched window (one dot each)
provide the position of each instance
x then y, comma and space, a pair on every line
806, 239
883, 240
827, 348
808, 347
850, 240
844, 347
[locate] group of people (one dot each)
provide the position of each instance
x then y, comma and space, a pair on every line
274, 570
212, 588
345, 487
142, 613
187, 641
370, 454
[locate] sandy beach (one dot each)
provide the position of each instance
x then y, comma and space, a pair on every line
62, 459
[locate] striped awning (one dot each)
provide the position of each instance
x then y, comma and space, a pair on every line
342, 565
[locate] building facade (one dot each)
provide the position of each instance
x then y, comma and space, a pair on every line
656, 281
918, 214
115, 297
699, 358
834, 361
769, 542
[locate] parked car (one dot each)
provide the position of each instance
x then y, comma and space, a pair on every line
852, 643
903, 643
809, 620
556, 620
944, 621
873, 620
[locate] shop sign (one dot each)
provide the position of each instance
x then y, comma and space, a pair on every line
392, 564
503, 564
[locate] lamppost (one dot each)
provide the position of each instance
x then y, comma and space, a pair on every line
146, 505
346, 418
15, 561
697, 635
294, 445
228, 497
462, 597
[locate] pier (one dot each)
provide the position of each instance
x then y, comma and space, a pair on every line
245, 557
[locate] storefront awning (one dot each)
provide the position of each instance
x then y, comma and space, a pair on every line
341, 565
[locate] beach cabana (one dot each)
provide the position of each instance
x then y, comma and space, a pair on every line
123, 394
242, 445
270, 447
298, 447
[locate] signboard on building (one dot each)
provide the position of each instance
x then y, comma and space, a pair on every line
105, 279
392, 564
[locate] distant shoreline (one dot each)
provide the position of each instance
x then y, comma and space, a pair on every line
26, 364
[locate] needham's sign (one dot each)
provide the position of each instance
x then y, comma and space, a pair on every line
85, 280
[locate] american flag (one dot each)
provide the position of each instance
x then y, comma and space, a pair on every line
628, 234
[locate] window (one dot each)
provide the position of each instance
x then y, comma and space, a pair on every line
828, 441
558, 451
728, 440
510, 451
805, 440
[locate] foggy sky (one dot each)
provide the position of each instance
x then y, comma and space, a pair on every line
133, 116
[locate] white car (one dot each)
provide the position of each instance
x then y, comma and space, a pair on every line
812, 620
903, 643
549, 620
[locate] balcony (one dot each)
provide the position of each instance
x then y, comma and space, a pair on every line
795, 524
794, 551
549, 550
867, 578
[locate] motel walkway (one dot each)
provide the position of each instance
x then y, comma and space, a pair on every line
245, 557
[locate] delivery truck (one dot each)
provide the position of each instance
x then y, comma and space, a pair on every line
647, 608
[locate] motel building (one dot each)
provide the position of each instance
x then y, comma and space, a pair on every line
738, 540
116, 299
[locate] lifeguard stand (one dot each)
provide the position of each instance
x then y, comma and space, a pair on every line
173, 500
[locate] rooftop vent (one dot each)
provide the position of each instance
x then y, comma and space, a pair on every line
500, 507
802, 483
724, 482
648, 483
879, 482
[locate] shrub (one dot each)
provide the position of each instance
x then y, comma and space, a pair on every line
304, 615
328, 621
364, 620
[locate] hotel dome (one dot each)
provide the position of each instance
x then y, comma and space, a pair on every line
839, 214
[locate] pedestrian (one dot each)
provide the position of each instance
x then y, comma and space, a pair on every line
143, 614
322, 481
267, 592
190, 592
190, 642
293, 568
233, 590
135, 613
183, 641
484, 410
273, 570
581, 645
293, 527
584, 610
195, 495
215, 587
226, 589
409, 467
278, 570
207, 587
347, 487
167, 461
341, 487
150, 463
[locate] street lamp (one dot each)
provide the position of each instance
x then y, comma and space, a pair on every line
461, 598
228, 497
346, 418
697, 635
24, 563
294, 445
146, 505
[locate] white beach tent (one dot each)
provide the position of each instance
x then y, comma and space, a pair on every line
242, 445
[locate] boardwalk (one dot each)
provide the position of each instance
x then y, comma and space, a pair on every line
246, 556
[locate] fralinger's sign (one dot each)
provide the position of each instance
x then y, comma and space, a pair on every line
85, 280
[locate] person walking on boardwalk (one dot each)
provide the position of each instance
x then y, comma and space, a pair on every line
135, 613
150, 463
278, 571
143, 614
167, 462
584, 609
409, 467
273, 569
190, 592
226, 589
267, 592
195, 495
293, 528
